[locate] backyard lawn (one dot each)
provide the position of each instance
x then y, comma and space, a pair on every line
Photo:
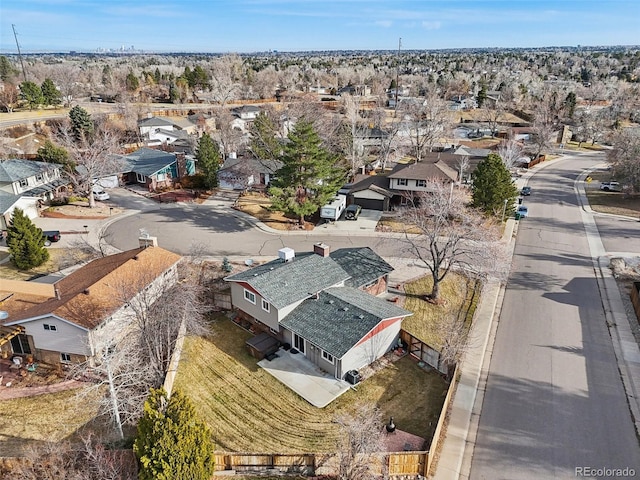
51, 417
250, 411
610, 202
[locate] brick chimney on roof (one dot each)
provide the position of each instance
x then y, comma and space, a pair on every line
321, 249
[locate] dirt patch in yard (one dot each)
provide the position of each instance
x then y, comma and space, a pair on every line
258, 205
81, 210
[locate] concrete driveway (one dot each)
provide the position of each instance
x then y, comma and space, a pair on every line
366, 222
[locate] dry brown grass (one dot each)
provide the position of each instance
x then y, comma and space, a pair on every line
457, 293
259, 206
59, 259
249, 410
44, 418
615, 203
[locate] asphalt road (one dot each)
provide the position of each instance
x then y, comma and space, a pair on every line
216, 231
554, 400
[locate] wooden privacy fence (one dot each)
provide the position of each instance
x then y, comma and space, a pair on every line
423, 352
400, 464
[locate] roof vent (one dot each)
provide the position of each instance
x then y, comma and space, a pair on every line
330, 302
345, 308
86, 291
286, 254
361, 317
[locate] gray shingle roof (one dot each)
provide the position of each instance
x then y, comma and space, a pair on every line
7, 200
285, 283
339, 318
362, 264
156, 122
15, 169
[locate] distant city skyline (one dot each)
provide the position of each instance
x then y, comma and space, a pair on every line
245, 26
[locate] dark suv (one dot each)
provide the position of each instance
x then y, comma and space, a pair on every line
352, 212
50, 236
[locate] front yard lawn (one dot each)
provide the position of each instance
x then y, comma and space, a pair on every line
250, 411
610, 202
458, 297
59, 259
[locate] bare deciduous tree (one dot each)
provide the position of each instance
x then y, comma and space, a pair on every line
426, 121
224, 75
625, 158
452, 236
360, 444
95, 156
9, 97
510, 151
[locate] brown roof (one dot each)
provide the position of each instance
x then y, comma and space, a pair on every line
424, 170
95, 291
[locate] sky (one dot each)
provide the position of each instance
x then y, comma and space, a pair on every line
246, 26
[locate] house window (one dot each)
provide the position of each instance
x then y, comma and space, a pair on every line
141, 178
421, 183
39, 178
250, 296
65, 358
298, 342
327, 356
24, 182
161, 177
402, 182
265, 305
52, 328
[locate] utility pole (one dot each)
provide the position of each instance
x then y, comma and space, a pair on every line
24, 73
395, 107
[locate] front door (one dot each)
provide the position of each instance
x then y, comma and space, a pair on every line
298, 342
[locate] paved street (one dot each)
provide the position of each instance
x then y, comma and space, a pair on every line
554, 399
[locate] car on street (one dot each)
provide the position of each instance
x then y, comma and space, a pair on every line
101, 195
610, 187
523, 211
352, 212
50, 236
525, 191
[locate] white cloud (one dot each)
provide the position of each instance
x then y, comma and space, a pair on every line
384, 23
431, 25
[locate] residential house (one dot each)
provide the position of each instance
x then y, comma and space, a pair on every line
361, 90
244, 117
408, 179
69, 323
156, 169
462, 102
371, 192
159, 131
323, 304
24, 183
242, 172
472, 157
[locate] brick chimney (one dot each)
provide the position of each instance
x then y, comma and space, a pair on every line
321, 249
181, 163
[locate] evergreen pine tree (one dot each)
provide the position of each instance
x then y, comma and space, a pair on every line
81, 123
25, 242
50, 94
309, 177
32, 94
208, 156
492, 185
172, 444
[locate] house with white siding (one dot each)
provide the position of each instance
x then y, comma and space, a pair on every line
69, 325
325, 305
23, 183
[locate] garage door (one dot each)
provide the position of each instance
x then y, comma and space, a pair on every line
369, 203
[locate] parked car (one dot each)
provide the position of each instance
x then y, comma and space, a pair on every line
50, 236
352, 212
101, 195
523, 211
525, 191
610, 186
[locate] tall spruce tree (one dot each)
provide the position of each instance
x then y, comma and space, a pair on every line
50, 94
32, 94
208, 156
309, 177
492, 186
172, 444
25, 242
81, 123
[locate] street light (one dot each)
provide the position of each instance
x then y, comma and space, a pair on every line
504, 208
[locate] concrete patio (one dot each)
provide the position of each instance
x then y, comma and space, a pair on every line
303, 377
